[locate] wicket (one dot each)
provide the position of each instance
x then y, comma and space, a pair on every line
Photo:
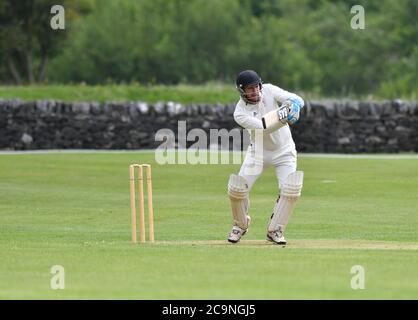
141, 202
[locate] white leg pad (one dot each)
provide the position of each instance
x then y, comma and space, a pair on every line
238, 191
290, 193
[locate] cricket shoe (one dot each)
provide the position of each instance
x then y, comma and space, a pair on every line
276, 236
236, 233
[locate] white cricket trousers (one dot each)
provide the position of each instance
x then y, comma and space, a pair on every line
283, 160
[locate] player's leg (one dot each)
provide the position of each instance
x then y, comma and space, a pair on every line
238, 192
290, 183
239, 187
284, 165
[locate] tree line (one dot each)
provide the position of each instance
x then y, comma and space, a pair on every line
307, 45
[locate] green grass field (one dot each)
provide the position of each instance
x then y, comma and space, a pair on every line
72, 209
186, 94
210, 93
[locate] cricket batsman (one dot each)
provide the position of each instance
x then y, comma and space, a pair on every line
266, 111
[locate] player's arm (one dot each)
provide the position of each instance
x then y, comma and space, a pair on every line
294, 101
270, 122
